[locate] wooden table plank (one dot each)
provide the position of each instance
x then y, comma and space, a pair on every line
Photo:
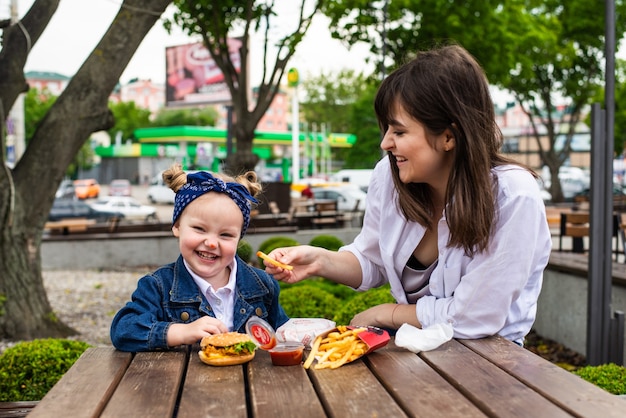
494, 391
150, 386
281, 391
419, 390
211, 391
353, 391
572, 393
87, 386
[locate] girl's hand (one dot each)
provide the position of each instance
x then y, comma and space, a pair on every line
179, 334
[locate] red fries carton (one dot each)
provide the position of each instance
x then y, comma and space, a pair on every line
373, 337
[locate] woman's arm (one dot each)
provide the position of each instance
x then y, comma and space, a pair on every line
307, 261
387, 315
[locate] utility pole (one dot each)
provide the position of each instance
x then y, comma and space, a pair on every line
293, 79
605, 334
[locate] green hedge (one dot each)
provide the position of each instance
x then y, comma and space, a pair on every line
29, 369
361, 302
330, 242
609, 377
244, 251
308, 302
275, 242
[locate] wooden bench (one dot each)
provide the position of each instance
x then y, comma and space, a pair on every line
65, 226
16, 409
326, 214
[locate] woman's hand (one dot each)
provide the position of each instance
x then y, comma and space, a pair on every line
179, 334
377, 316
303, 259
339, 266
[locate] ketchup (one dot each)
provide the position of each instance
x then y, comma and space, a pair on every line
287, 354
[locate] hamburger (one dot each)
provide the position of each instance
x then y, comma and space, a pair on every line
226, 349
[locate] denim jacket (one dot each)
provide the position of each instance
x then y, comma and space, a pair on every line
169, 295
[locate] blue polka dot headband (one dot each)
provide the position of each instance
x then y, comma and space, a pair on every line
203, 182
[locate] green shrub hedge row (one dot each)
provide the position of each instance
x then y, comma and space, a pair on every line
29, 369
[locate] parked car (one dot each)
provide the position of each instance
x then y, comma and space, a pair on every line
120, 187
130, 207
65, 190
72, 209
159, 192
347, 196
87, 188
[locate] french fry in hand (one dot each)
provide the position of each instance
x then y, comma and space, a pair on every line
337, 348
270, 260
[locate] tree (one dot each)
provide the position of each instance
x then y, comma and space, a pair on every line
544, 52
27, 191
343, 102
189, 117
128, 117
620, 106
217, 20
559, 61
363, 122
36, 104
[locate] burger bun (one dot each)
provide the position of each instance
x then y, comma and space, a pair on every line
224, 340
225, 361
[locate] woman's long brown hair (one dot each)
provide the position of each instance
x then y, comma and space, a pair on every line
445, 88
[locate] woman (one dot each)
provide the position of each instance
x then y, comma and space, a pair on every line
457, 230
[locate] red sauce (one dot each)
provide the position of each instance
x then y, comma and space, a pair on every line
271, 344
289, 354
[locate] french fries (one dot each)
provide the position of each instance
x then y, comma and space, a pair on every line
270, 260
337, 348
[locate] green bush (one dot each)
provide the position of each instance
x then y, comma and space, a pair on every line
308, 302
330, 242
361, 302
244, 250
609, 377
275, 242
29, 369
340, 291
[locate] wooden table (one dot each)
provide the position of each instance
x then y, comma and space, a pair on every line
464, 378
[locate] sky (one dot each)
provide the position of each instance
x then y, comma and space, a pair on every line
78, 25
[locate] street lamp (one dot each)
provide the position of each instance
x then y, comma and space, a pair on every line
293, 79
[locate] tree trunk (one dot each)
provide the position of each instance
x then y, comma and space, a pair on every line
244, 159
27, 192
25, 312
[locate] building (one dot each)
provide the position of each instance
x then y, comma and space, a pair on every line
55, 83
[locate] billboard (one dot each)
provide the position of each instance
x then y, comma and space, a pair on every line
193, 78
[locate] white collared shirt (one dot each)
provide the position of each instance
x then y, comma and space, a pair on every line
222, 300
494, 292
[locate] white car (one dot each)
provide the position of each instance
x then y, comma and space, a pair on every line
347, 197
159, 192
128, 206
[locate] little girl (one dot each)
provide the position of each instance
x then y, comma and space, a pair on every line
209, 289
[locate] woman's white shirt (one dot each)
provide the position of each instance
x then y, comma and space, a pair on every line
494, 292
